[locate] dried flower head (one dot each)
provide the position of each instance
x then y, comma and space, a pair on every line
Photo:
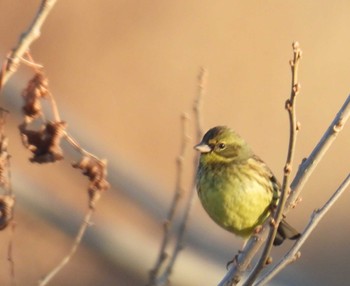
45, 142
96, 170
36, 89
6, 210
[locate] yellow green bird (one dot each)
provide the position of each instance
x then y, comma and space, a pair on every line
235, 187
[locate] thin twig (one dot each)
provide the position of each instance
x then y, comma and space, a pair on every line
309, 164
96, 171
304, 172
10, 258
243, 260
54, 108
202, 89
86, 223
190, 201
8, 200
77, 146
25, 40
290, 106
316, 217
154, 278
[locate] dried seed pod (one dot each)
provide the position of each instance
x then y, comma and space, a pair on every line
6, 210
36, 89
96, 170
44, 143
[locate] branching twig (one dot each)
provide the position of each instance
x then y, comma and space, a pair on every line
309, 164
164, 277
45, 142
293, 128
45, 145
154, 278
26, 39
304, 172
183, 226
66, 259
294, 253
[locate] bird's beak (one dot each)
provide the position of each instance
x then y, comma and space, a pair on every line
202, 147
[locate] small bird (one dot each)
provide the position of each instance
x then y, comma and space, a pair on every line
235, 187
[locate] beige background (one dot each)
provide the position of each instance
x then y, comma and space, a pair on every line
122, 73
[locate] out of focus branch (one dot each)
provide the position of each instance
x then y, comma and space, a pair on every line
154, 276
25, 40
157, 278
44, 143
190, 200
48, 277
202, 89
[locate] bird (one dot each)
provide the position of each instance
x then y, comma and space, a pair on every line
235, 187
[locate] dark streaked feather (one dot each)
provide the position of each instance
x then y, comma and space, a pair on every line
284, 231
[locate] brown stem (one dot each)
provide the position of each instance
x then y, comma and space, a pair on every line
87, 222
25, 40
154, 273
290, 106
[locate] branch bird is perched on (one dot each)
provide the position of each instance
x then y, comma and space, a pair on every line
235, 187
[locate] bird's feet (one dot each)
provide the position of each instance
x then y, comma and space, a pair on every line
258, 229
234, 260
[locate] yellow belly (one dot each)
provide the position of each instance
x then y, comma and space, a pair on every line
238, 204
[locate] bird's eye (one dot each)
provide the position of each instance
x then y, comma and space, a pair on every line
222, 146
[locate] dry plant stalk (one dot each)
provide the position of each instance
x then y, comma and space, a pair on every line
44, 142
7, 198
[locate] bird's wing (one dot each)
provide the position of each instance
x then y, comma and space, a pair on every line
276, 186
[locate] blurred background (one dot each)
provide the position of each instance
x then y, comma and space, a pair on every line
122, 73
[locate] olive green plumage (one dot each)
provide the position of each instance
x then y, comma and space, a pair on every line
235, 187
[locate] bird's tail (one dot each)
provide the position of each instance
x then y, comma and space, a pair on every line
284, 231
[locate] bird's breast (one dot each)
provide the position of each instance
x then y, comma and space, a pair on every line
233, 197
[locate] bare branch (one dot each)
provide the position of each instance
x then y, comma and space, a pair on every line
309, 164
179, 190
304, 172
290, 106
202, 89
197, 110
67, 258
10, 254
45, 142
164, 277
74, 143
293, 254
26, 39
243, 260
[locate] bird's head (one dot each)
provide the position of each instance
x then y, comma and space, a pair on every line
222, 144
